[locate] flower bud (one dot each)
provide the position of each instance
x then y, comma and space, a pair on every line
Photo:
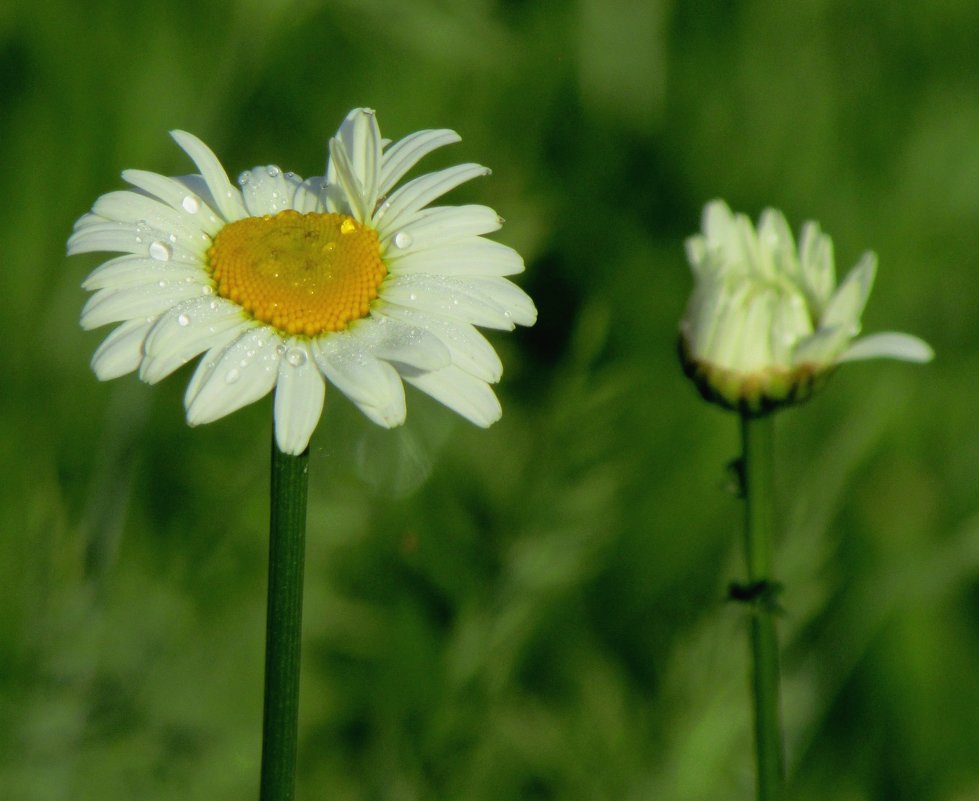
766, 323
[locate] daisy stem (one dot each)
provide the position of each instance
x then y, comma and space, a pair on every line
758, 474
287, 540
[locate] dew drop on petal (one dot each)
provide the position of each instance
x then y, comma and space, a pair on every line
160, 251
296, 357
183, 320
348, 226
244, 177
207, 289
273, 171
190, 204
232, 375
402, 240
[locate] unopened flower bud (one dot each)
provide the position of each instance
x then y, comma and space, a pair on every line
767, 323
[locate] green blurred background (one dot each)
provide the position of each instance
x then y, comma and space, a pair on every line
535, 611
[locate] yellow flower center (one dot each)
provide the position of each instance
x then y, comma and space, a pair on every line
302, 273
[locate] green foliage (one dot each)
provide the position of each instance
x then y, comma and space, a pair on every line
535, 611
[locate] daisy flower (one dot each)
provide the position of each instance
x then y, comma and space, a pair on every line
767, 321
288, 283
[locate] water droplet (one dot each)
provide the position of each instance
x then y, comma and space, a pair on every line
213, 305
348, 226
273, 171
173, 238
296, 357
402, 240
232, 375
191, 204
207, 290
507, 314
329, 246
280, 349
244, 178
183, 320
160, 251
412, 296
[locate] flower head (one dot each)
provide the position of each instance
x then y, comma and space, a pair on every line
286, 283
767, 321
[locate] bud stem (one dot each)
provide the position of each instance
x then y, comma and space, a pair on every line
758, 473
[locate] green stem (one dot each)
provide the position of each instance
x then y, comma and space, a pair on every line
758, 467
283, 633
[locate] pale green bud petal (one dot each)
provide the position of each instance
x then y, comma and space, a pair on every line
889, 345
818, 268
846, 306
822, 347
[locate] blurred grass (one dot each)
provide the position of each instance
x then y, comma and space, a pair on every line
534, 611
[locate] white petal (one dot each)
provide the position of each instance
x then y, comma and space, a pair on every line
268, 190
178, 196
473, 256
226, 198
395, 341
450, 297
370, 383
129, 271
405, 203
140, 240
461, 392
143, 212
354, 199
115, 305
244, 372
406, 153
889, 345
467, 347
309, 195
121, 351
92, 237
846, 306
438, 226
519, 307
186, 330
360, 140
299, 393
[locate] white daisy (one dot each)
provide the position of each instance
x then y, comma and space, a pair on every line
285, 282
767, 321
